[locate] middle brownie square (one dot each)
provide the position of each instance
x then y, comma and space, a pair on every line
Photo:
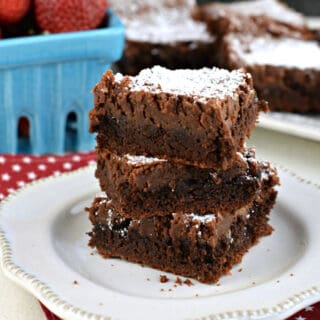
141, 187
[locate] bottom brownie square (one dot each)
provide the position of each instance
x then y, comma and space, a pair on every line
203, 247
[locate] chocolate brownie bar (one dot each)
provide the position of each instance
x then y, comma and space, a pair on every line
141, 187
187, 244
139, 55
163, 33
286, 71
198, 117
254, 17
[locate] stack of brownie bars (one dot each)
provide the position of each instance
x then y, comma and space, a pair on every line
182, 192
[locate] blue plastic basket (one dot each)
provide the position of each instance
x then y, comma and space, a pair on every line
48, 79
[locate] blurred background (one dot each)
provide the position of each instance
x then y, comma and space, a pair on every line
308, 7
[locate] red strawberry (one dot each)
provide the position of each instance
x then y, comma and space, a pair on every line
69, 15
12, 11
24, 27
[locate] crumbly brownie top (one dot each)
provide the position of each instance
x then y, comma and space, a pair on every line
217, 223
282, 52
161, 22
203, 84
208, 228
273, 9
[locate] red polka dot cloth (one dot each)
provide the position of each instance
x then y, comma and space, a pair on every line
18, 170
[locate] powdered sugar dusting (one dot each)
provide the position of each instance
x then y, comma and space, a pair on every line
270, 8
133, 7
201, 218
167, 26
137, 160
109, 219
121, 231
202, 84
161, 21
265, 173
283, 52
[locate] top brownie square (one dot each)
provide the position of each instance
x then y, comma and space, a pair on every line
254, 17
198, 117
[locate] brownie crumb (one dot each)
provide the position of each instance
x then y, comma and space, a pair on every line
163, 278
188, 282
175, 286
75, 282
218, 284
253, 283
240, 270
196, 295
178, 281
170, 290
161, 289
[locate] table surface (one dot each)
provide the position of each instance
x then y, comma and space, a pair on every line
296, 154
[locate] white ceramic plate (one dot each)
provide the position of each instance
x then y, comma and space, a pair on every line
301, 125
44, 249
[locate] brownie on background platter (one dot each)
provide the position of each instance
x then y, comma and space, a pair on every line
163, 33
254, 17
286, 71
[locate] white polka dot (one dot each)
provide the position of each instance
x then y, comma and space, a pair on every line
16, 168
92, 162
26, 160
20, 183
2, 160
10, 190
31, 175
56, 173
1, 196
67, 166
5, 177
51, 159
42, 167
76, 158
